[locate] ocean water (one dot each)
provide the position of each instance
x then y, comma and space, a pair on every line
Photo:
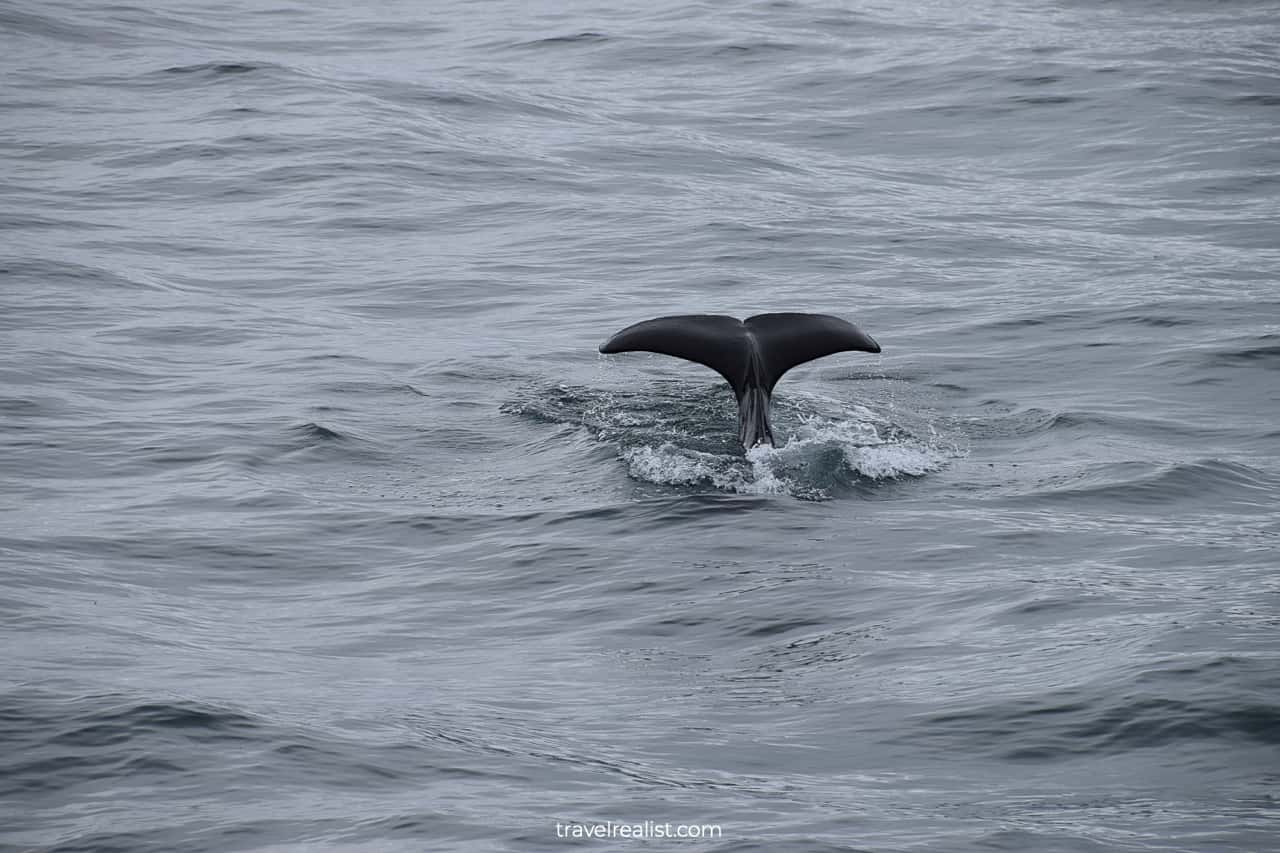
325, 526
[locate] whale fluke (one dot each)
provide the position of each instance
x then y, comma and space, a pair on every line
751, 354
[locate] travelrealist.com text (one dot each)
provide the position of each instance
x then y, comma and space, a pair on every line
643, 829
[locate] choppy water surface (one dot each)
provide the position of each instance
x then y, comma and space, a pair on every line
326, 527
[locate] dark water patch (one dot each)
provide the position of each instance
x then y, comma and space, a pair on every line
774, 627
373, 388
1002, 419
1043, 610
30, 407
349, 226
310, 441
998, 419
430, 96
310, 434
150, 458
686, 53
1035, 79
689, 511
462, 525
1263, 351
337, 762
514, 747
1154, 721
619, 519
1158, 315
567, 560
245, 148
77, 31
799, 843
1157, 321
825, 648
179, 335
10, 221
458, 102
1258, 100
585, 37
1046, 100
45, 271
21, 103
231, 556
1065, 840
472, 306
755, 49
1092, 423
442, 828
213, 70
648, 158
113, 842
56, 743
259, 77
1234, 484
1073, 727
462, 440
1201, 674
193, 720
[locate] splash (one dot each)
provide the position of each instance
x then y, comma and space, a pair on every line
671, 465
684, 438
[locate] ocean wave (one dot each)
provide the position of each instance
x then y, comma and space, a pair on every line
1148, 483
1064, 726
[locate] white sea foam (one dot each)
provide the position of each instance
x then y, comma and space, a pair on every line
820, 455
670, 465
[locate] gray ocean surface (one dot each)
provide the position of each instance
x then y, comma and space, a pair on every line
325, 526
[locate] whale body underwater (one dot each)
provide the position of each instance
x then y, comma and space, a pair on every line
751, 354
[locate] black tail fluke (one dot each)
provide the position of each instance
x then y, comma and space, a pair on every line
752, 354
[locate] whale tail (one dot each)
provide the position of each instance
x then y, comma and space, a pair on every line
751, 354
